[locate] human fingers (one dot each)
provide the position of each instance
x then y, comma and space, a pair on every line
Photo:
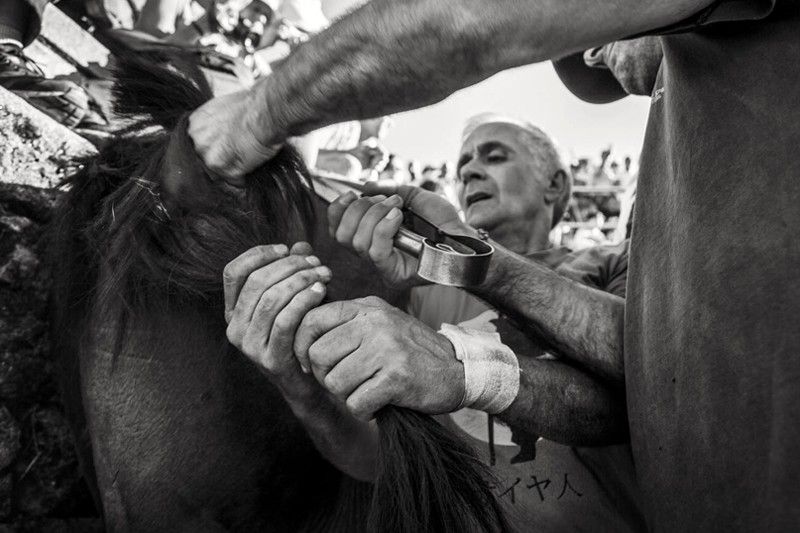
381, 248
406, 192
351, 219
333, 346
350, 372
288, 320
301, 248
236, 272
318, 322
256, 332
337, 208
227, 139
263, 279
278, 356
201, 130
434, 207
371, 396
365, 233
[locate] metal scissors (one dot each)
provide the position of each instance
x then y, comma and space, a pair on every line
444, 259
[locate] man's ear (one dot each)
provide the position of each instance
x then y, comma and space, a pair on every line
556, 186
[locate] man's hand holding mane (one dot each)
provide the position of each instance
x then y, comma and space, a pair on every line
227, 138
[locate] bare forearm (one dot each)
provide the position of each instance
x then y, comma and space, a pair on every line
394, 55
565, 405
579, 324
346, 442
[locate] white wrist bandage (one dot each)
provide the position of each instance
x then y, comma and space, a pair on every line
491, 370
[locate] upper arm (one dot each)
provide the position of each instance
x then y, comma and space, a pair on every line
603, 85
719, 11
536, 31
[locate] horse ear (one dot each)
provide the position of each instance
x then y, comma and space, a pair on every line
158, 89
184, 178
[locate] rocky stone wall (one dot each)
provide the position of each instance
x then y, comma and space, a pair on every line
40, 483
41, 488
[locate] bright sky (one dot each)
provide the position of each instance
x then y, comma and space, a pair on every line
534, 93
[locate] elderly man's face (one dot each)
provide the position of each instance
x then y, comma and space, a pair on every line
501, 176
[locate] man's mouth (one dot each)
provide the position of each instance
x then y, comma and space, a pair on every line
476, 197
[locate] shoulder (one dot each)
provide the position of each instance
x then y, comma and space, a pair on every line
601, 254
604, 267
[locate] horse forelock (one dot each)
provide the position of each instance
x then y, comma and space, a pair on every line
158, 225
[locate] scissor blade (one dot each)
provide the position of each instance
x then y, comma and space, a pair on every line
329, 188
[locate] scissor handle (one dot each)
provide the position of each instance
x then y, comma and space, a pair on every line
409, 242
445, 259
443, 263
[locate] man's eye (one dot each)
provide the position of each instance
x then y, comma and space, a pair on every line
496, 157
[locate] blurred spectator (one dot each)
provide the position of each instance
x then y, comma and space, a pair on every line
602, 175
389, 168
431, 185
414, 171
260, 32
625, 223
581, 172
614, 170
363, 140
430, 173
306, 15
158, 17
445, 173
600, 204
626, 176
343, 164
393, 170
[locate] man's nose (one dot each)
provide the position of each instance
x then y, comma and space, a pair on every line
471, 171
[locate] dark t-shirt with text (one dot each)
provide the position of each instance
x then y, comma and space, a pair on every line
546, 486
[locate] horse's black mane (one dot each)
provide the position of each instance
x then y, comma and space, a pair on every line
145, 224
150, 240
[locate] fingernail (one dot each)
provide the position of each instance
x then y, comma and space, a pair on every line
281, 249
318, 287
393, 214
348, 198
393, 200
323, 271
313, 261
304, 368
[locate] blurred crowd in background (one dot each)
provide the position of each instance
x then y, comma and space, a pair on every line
604, 185
247, 38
